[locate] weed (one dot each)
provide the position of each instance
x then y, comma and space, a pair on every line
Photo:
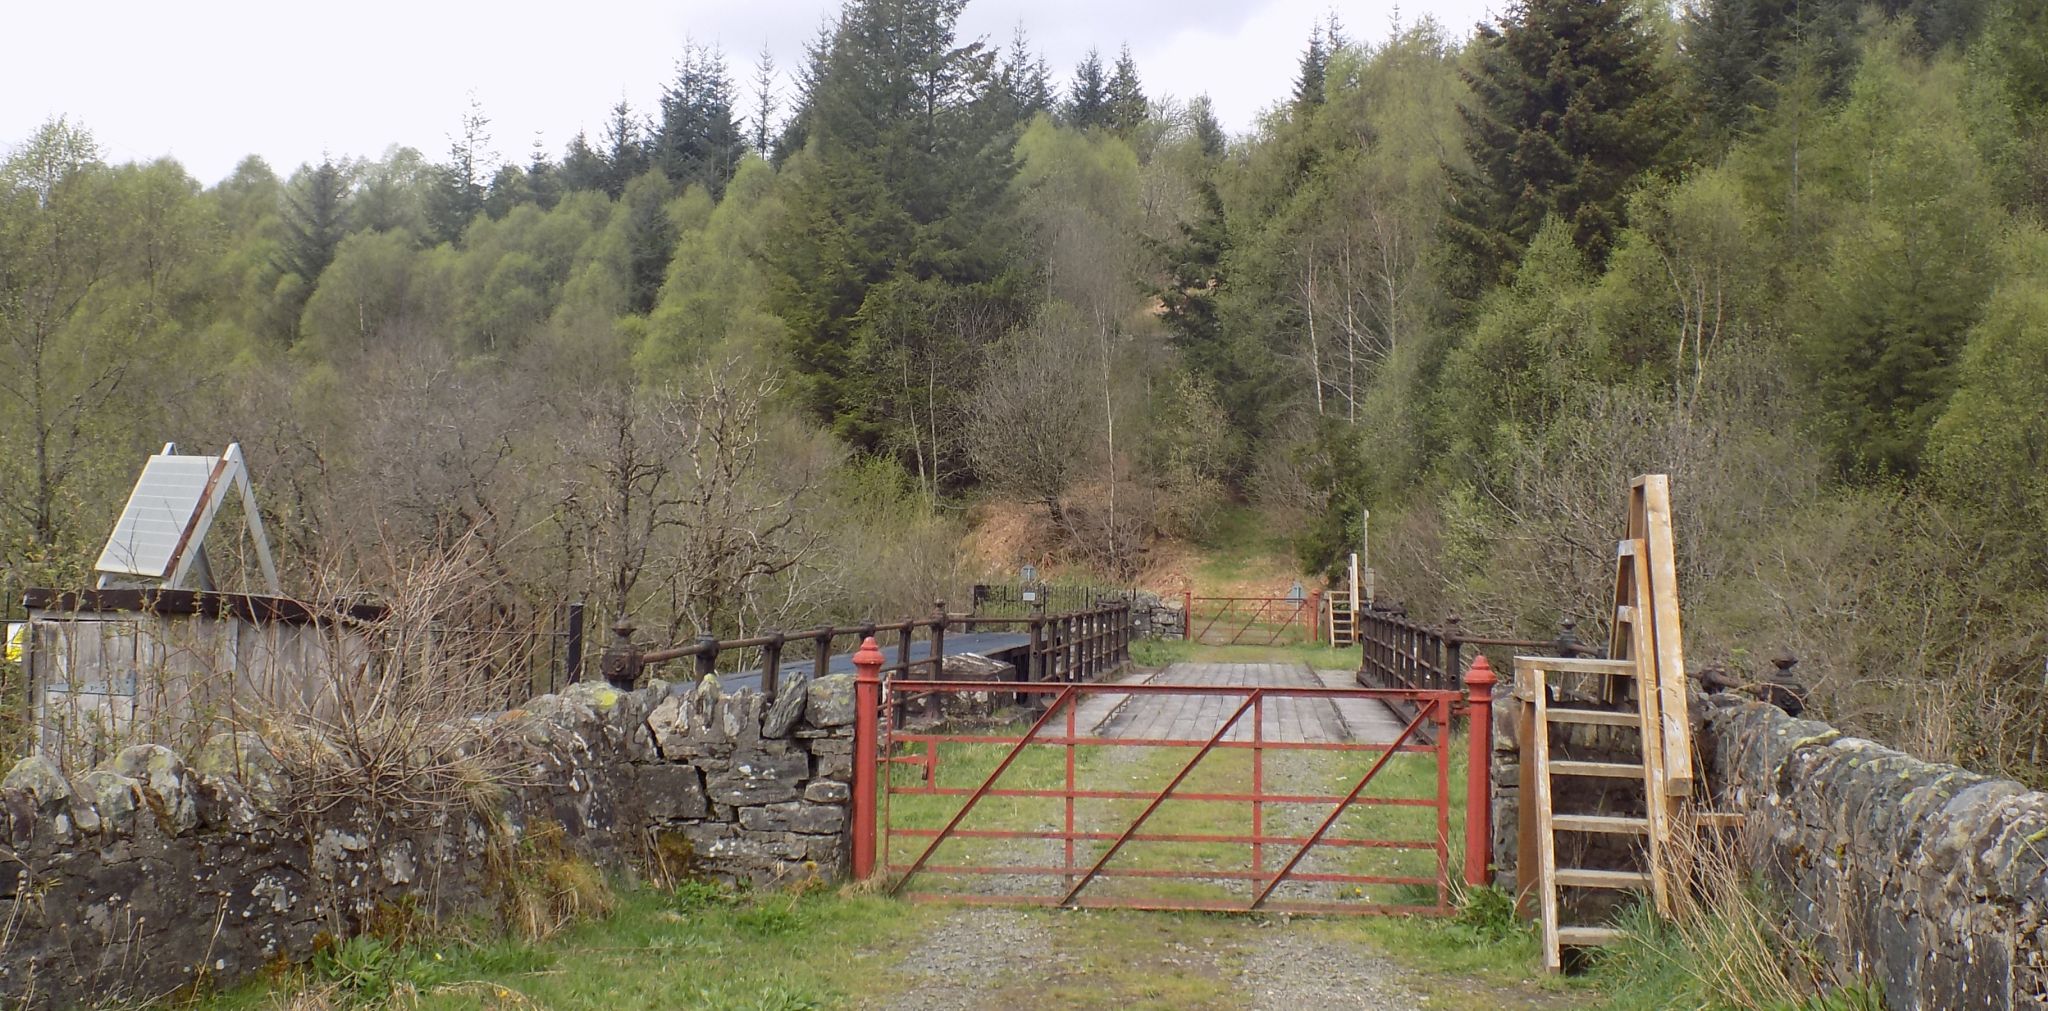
1489, 913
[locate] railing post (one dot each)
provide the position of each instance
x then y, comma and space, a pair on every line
1568, 639
939, 640
572, 645
1454, 643
867, 708
707, 654
1187, 614
1034, 662
621, 661
1479, 682
771, 666
821, 659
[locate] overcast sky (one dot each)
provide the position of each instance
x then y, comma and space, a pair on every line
209, 81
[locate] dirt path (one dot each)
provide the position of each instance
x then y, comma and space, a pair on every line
1120, 961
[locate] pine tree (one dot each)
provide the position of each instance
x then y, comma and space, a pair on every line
315, 216
625, 152
1208, 132
1087, 102
1741, 52
1569, 107
543, 179
1127, 108
458, 194
765, 101
582, 167
1315, 68
698, 141
904, 203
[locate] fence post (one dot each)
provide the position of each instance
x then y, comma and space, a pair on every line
572, 647
707, 655
1187, 614
1454, 643
771, 666
621, 662
1479, 682
867, 706
1034, 669
939, 640
1314, 618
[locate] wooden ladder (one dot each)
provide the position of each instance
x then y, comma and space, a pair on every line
1641, 691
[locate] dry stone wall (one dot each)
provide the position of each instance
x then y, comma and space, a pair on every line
150, 874
1929, 879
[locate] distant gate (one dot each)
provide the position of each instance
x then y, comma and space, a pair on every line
1256, 621
1246, 821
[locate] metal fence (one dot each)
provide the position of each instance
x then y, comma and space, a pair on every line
1399, 652
1080, 645
1001, 599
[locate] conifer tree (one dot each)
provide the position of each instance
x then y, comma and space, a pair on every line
1569, 107
698, 141
315, 218
582, 167
1208, 132
625, 150
1087, 102
1315, 67
460, 185
1127, 108
902, 211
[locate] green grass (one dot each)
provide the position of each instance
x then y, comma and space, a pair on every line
697, 947
1160, 652
1241, 542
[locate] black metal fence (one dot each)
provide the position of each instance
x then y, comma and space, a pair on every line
1399, 652
1081, 645
1019, 600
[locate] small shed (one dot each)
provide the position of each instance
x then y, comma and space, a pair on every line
110, 668
156, 652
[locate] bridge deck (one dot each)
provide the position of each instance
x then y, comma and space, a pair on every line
1195, 717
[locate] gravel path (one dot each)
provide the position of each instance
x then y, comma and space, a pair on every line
1293, 972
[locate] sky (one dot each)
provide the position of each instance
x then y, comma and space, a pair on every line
211, 81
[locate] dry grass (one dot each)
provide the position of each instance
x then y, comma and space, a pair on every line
1727, 946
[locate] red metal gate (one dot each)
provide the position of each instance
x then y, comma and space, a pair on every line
1258, 621
1240, 819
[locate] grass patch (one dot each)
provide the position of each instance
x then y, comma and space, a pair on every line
1161, 652
1732, 957
696, 947
1242, 543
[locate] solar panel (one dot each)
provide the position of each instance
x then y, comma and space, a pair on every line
161, 508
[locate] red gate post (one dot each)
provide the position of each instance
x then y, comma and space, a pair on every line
867, 706
1479, 682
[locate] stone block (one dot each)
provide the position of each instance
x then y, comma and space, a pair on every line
782, 715
825, 791
670, 792
830, 701
759, 778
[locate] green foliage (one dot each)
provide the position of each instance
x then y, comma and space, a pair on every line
1570, 104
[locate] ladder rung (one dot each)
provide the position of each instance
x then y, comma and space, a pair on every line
1719, 819
1595, 717
1587, 936
1580, 877
1608, 770
1614, 824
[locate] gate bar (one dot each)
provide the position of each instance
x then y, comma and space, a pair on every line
1337, 811
1065, 695
1220, 733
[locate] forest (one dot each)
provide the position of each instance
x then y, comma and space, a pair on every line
754, 357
